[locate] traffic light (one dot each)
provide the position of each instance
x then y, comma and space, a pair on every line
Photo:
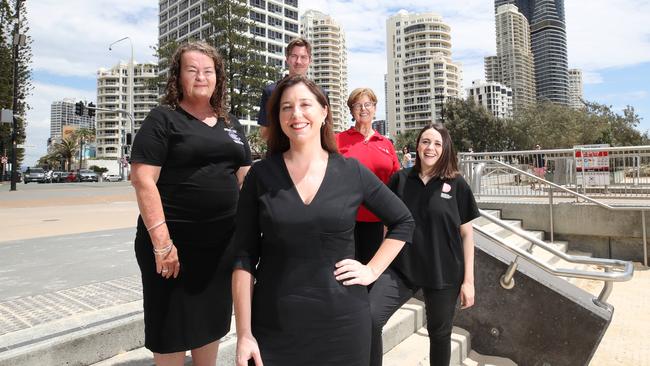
91, 109
79, 108
129, 138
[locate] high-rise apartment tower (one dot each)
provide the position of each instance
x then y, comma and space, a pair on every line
112, 93
575, 89
62, 114
495, 97
329, 65
549, 46
275, 23
513, 64
421, 74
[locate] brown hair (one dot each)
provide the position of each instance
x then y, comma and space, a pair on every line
298, 42
447, 165
174, 90
278, 142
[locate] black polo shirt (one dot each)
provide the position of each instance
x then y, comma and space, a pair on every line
434, 259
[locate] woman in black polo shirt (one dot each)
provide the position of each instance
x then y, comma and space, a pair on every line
440, 259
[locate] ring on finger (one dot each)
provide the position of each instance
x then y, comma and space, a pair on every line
165, 270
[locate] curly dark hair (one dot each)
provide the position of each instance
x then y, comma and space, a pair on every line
174, 90
278, 142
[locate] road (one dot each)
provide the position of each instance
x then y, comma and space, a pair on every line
36, 266
58, 236
44, 210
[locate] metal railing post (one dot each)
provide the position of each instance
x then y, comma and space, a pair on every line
550, 205
506, 280
645, 239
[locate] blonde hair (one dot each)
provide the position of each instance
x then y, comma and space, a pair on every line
360, 92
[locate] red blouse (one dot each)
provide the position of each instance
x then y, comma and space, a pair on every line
376, 154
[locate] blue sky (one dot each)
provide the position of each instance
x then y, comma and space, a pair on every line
70, 43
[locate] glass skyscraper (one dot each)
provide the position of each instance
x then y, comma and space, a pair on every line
549, 46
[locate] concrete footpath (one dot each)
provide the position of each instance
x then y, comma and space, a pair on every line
111, 309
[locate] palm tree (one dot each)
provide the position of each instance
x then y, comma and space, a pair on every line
67, 149
82, 136
51, 160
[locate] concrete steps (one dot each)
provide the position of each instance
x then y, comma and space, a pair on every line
414, 351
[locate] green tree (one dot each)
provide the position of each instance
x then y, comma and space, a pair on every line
247, 71
24, 86
51, 160
257, 144
67, 150
83, 136
473, 126
408, 138
163, 52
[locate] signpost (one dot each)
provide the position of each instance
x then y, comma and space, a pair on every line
592, 165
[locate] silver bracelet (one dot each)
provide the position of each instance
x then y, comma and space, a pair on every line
155, 225
165, 250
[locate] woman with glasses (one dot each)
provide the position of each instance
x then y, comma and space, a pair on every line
376, 153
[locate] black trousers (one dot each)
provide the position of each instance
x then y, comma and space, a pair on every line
390, 292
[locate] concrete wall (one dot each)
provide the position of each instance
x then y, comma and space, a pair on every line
587, 227
543, 320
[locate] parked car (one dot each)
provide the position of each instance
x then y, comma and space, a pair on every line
87, 176
70, 177
35, 175
58, 176
112, 177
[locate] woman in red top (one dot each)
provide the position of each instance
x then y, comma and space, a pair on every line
377, 153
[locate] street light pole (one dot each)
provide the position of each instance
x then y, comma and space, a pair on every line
131, 91
18, 41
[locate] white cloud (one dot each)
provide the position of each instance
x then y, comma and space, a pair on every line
591, 77
71, 41
72, 37
603, 34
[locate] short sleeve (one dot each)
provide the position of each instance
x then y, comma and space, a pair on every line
393, 154
247, 233
151, 142
467, 207
242, 135
379, 199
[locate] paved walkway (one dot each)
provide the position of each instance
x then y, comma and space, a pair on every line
27, 215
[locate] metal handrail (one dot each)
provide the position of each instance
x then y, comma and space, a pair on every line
615, 270
643, 209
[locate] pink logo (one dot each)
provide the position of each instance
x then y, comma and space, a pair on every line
446, 187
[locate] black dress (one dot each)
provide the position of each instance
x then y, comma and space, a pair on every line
300, 314
199, 191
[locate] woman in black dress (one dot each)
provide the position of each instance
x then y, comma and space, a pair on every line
440, 259
189, 158
300, 297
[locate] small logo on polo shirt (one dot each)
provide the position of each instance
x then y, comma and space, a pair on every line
234, 136
445, 189
385, 150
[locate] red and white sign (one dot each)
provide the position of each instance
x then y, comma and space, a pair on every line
4, 160
592, 166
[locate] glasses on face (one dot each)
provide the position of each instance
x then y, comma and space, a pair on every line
366, 105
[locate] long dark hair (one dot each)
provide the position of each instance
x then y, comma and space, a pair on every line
447, 165
278, 142
174, 89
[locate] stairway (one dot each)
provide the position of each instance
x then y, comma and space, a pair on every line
405, 335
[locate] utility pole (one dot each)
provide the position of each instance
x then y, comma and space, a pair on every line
19, 40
